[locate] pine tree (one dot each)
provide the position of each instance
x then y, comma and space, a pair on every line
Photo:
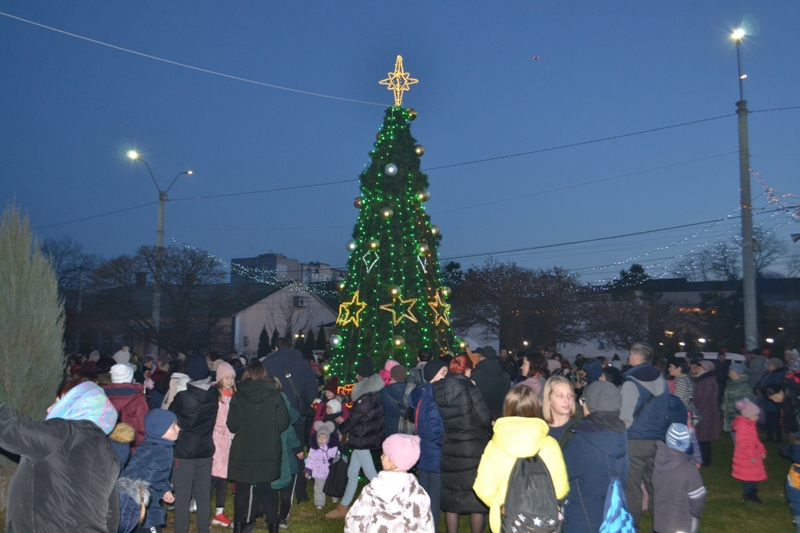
31, 326
393, 300
273, 343
263, 342
322, 341
311, 342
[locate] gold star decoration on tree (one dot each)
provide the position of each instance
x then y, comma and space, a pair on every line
350, 311
398, 81
407, 305
441, 310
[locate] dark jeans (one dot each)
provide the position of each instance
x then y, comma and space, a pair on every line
220, 487
705, 452
191, 478
432, 483
302, 435
250, 500
641, 457
749, 487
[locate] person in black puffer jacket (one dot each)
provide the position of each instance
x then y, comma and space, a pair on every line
257, 417
467, 430
492, 381
196, 409
364, 430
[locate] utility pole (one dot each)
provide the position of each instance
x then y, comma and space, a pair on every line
155, 313
748, 262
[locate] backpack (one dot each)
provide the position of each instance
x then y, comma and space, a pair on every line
676, 411
530, 503
406, 425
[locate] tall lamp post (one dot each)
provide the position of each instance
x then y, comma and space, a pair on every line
162, 200
748, 262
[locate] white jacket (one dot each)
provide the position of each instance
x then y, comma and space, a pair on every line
392, 502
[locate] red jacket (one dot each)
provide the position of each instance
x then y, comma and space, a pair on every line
747, 447
130, 402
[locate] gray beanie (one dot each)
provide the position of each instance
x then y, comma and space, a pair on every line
602, 396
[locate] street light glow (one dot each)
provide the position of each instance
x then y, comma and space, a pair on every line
738, 34
189, 172
133, 154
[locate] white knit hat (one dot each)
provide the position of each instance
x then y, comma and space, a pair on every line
121, 374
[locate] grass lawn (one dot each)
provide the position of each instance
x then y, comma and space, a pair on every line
724, 511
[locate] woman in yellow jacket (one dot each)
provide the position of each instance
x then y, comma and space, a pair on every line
519, 433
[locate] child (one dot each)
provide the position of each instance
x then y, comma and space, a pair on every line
222, 442
324, 448
393, 500
329, 394
152, 462
748, 452
678, 491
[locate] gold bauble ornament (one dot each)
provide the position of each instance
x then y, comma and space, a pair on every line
387, 213
446, 292
419, 150
398, 341
358, 202
340, 286
423, 249
435, 230
411, 113
374, 244
423, 196
394, 290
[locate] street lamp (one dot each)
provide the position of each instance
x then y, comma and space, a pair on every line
748, 263
133, 155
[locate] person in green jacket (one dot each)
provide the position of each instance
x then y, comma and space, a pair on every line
291, 445
738, 388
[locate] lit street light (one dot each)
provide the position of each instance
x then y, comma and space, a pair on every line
162, 200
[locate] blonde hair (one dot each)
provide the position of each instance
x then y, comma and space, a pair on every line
220, 388
521, 401
551, 384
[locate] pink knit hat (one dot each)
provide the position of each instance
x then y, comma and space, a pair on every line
224, 369
403, 450
747, 408
390, 364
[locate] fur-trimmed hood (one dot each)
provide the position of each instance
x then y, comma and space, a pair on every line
374, 383
122, 433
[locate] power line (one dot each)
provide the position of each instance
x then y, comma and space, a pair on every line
190, 67
96, 216
264, 190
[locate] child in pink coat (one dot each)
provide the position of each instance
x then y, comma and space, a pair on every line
748, 452
222, 442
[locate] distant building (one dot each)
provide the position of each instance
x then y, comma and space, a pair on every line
272, 268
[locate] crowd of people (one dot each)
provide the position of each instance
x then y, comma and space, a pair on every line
477, 434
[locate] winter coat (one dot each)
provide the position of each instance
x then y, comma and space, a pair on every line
290, 361
131, 405
120, 440
748, 465
514, 438
684, 389
320, 458
734, 391
152, 462
775, 377
643, 382
257, 417
705, 401
593, 457
678, 491
66, 479
393, 502
395, 405
467, 430
177, 383
196, 408
568, 431
290, 446
791, 411
493, 382
430, 428
222, 440
321, 414
364, 428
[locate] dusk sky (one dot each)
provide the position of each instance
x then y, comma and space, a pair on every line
203, 86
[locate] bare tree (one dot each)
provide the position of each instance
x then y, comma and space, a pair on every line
69, 261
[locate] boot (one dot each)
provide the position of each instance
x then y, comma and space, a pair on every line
754, 497
272, 528
238, 527
339, 512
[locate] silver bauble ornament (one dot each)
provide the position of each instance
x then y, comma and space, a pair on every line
335, 340
419, 150
387, 213
390, 169
351, 246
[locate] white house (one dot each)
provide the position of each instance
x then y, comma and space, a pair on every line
288, 309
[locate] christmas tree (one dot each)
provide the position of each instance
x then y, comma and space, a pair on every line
393, 300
